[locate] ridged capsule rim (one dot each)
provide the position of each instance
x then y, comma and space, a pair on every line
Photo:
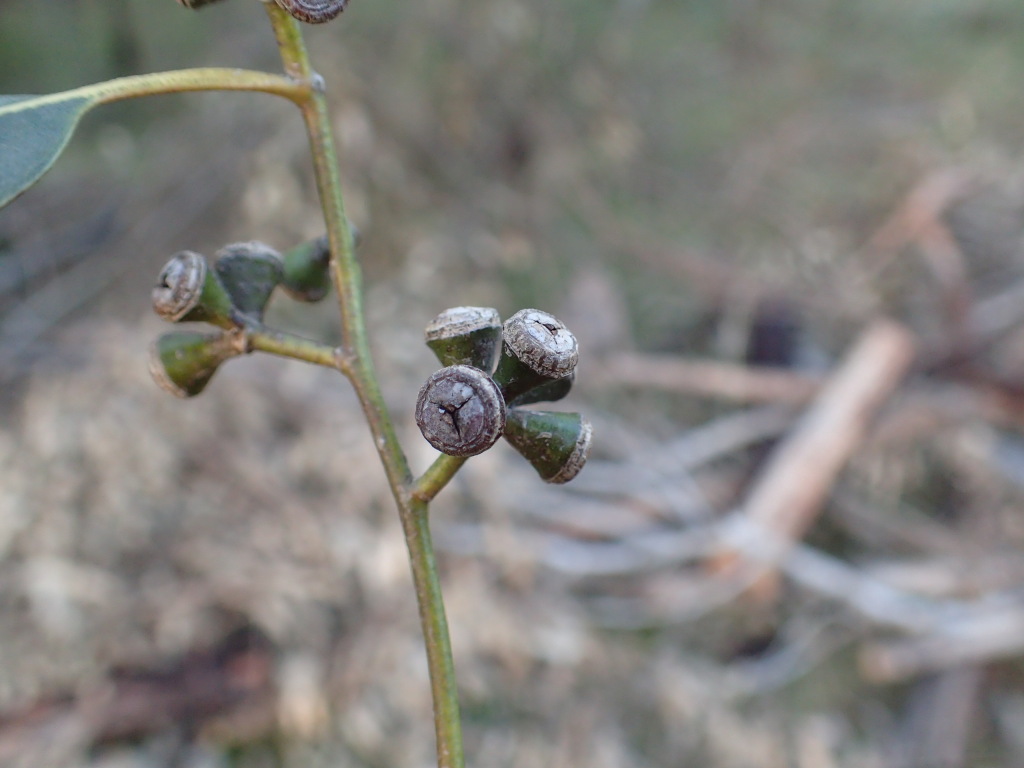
459, 321
577, 458
541, 342
180, 285
313, 11
491, 405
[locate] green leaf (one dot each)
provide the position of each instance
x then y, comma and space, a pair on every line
33, 132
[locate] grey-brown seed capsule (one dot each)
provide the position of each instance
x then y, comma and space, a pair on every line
250, 272
313, 11
196, 3
537, 348
188, 291
465, 336
460, 411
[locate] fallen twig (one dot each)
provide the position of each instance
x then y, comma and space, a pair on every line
789, 493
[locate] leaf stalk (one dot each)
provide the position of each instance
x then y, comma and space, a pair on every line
185, 80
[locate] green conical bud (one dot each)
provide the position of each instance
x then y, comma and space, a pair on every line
537, 348
547, 392
250, 272
306, 273
465, 336
188, 291
460, 411
183, 362
556, 444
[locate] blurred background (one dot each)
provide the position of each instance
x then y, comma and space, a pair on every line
721, 199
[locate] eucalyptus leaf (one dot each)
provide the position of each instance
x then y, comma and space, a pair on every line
33, 132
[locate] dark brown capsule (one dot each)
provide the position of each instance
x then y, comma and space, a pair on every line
313, 11
460, 411
196, 3
465, 336
537, 348
183, 362
556, 444
250, 272
187, 291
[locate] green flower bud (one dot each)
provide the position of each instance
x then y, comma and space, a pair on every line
183, 362
460, 411
556, 444
187, 291
537, 349
465, 336
250, 272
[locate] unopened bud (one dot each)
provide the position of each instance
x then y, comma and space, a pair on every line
183, 362
537, 348
556, 444
460, 411
250, 272
187, 291
465, 336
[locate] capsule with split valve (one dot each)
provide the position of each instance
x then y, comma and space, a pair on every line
537, 350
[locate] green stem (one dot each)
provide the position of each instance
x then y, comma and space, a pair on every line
347, 280
183, 80
261, 339
430, 483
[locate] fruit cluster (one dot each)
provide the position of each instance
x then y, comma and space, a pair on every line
231, 295
464, 408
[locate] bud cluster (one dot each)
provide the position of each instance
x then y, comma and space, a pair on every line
464, 408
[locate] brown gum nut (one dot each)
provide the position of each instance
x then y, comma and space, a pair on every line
537, 348
542, 342
313, 11
179, 286
460, 411
196, 3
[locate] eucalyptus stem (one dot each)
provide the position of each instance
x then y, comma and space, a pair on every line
285, 344
355, 351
